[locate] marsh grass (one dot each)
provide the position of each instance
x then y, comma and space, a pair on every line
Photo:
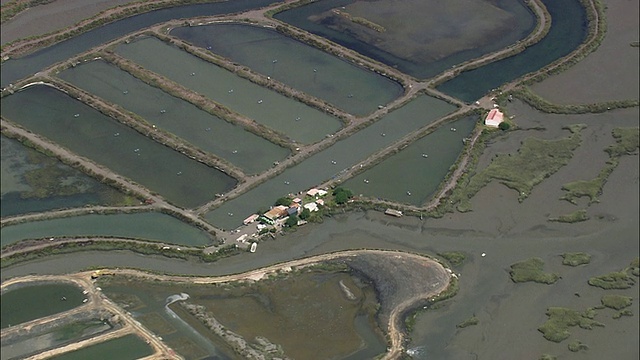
573, 217
577, 345
469, 322
536, 160
626, 143
618, 279
575, 259
531, 270
616, 302
556, 328
455, 258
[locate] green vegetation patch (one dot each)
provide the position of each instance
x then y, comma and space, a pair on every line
547, 357
156, 323
574, 217
469, 322
576, 259
455, 258
621, 313
556, 328
577, 345
536, 160
613, 280
626, 143
531, 270
617, 302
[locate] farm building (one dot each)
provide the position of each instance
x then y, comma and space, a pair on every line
494, 118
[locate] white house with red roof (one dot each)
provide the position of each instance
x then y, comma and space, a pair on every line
494, 118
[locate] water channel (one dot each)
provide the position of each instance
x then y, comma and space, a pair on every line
267, 107
92, 134
147, 225
303, 67
332, 161
230, 142
567, 32
415, 30
16, 69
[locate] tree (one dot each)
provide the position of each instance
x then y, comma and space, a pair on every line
292, 220
305, 214
504, 126
283, 201
342, 195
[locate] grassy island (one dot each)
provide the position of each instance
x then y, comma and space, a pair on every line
556, 328
575, 259
531, 270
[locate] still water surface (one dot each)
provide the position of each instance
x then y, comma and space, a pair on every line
568, 30
149, 225
16, 69
89, 133
26, 302
20, 196
267, 107
303, 67
330, 162
418, 169
303, 16
230, 142
128, 347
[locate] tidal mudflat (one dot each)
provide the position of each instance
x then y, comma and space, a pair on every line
421, 38
616, 76
90, 133
230, 142
288, 116
303, 67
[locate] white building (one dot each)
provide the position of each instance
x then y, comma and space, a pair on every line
494, 118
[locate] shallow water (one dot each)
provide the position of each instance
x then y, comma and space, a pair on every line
413, 30
303, 67
416, 171
18, 196
26, 302
123, 348
89, 133
568, 30
288, 116
230, 142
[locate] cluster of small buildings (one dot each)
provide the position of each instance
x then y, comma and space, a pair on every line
278, 214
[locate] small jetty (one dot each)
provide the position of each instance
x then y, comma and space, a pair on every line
393, 212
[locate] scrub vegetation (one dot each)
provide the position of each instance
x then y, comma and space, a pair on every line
574, 217
577, 345
455, 258
618, 279
556, 328
536, 160
626, 143
531, 270
616, 302
575, 259
470, 321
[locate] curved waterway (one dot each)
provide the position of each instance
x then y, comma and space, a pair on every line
89, 133
332, 161
415, 31
567, 32
149, 225
16, 69
351, 88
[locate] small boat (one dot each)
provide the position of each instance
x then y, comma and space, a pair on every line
333, 162
298, 118
253, 247
125, 92
260, 101
179, 173
366, 181
425, 156
163, 111
76, 115
408, 193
